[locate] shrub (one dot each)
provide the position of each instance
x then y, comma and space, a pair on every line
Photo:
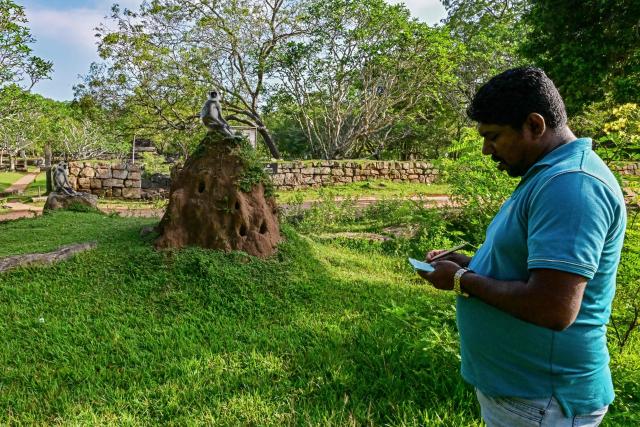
614, 127
477, 186
625, 317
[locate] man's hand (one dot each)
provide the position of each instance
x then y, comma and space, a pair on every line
456, 257
442, 276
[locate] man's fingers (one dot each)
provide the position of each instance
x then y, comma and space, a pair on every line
433, 253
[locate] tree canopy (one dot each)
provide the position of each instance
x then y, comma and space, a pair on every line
17, 62
323, 78
590, 48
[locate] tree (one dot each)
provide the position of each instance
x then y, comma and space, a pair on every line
589, 48
16, 61
490, 32
20, 129
165, 59
359, 69
35, 121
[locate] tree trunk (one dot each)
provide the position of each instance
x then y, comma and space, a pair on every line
47, 155
12, 163
61, 254
47, 168
266, 137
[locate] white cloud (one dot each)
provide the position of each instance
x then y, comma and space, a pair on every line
72, 27
429, 11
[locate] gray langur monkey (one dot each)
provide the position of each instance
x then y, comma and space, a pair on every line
211, 115
60, 178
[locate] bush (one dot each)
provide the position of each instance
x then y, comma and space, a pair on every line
625, 317
477, 186
615, 129
323, 216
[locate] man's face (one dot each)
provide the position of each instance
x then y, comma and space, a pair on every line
507, 146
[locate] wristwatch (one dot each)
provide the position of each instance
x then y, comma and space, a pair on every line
456, 282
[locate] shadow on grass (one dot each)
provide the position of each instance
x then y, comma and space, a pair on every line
127, 335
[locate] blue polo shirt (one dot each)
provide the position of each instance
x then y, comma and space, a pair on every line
567, 213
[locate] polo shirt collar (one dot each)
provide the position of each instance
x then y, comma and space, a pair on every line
562, 152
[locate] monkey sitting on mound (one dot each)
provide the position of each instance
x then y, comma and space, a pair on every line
211, 115
60, 179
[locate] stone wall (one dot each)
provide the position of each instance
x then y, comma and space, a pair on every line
293, 175
124, 181
106, 180
627, 168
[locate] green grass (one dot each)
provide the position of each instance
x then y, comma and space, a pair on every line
632, 182
325, 333
38, 185
8, 178
133, 204
126, 335
379, 188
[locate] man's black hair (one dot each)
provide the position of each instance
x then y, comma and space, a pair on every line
509, 97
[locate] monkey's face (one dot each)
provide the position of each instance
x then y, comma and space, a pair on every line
213, 94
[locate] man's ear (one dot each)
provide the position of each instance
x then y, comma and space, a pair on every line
536, 124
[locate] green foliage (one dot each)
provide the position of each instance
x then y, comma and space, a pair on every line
379, 189
30, 122
490, 33
324, 215
327, 332
153, 163
253, 172
615, 129
625, 318
589, 48
383, 75
79, 207
184, 51
280, 117
420, 227
477, 186
16, 61
622, 134
317, 335
8, 178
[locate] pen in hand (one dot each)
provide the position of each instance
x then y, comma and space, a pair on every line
448, 252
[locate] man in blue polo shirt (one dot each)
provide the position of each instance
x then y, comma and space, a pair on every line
534, 300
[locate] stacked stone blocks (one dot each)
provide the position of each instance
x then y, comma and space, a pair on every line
627, 168
106, 180
293, 175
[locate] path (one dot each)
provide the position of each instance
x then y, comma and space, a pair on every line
21, 210
435, 200
20, 185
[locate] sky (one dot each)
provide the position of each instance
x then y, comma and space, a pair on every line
65, 34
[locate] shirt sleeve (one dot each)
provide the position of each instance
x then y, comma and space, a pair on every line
568, 223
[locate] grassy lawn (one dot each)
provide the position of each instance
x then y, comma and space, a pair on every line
37, 187
327, 332
126, 335
133, 204
380, 188
8, 178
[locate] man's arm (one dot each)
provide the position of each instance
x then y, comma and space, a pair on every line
550, 298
